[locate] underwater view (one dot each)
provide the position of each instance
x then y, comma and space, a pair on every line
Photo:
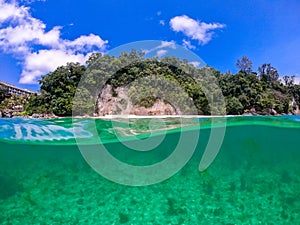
254, 179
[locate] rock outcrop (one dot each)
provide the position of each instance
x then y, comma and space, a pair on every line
118, 103
293, 104
159, 108
7, 113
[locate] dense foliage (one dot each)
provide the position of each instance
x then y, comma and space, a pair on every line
3, 93
15, 103
245, 91
57, 91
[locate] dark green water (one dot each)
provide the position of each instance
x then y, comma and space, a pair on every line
255, 178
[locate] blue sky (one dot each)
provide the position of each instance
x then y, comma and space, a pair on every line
37, 36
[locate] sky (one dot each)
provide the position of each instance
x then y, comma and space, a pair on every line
37, 36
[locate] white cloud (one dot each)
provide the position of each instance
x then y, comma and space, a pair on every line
29, 33
195, 63
196, 30
188, 44
51, 38
39, 49
297, 79
44, 61
163, 44
161, 52
31, 1
11, 11
167, 44
162, 22
87, 43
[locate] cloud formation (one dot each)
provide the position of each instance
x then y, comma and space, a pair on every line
196, 30
160, 49
161, 52
40, 50
162, 22
195, 63
188, 44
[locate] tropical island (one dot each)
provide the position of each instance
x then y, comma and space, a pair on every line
260, 92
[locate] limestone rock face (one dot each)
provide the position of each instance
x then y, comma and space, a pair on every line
159, 108
294, 105
106, 102
297, 111
119, 103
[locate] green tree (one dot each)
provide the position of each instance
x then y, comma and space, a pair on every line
57, 91
243, 90
37, 104
244, 65
234, 106
268, 74
3, 92
15, 102
289, 81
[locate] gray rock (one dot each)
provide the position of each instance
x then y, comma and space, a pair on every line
120, 104
273, 112
7, 113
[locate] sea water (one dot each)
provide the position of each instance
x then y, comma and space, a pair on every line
254, 179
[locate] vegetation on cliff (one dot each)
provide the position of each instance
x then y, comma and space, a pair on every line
246, 91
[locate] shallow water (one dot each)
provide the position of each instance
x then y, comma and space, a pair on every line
255, 178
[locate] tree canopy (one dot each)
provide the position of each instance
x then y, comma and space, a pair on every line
244, 65
57, 91
243, 92
3, 92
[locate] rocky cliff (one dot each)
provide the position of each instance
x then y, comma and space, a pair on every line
117, 102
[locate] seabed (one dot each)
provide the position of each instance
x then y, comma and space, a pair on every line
254, 179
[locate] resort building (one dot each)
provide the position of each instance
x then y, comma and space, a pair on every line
16, 90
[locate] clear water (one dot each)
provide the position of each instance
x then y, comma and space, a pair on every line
255, 178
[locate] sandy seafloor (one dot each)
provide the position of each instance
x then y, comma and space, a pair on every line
255, 179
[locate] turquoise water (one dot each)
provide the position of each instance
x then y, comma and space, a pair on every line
255, 178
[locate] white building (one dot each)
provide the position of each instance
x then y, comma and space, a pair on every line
15, 90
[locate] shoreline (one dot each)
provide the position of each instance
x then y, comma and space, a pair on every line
108, 117
5, 114
159, 116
